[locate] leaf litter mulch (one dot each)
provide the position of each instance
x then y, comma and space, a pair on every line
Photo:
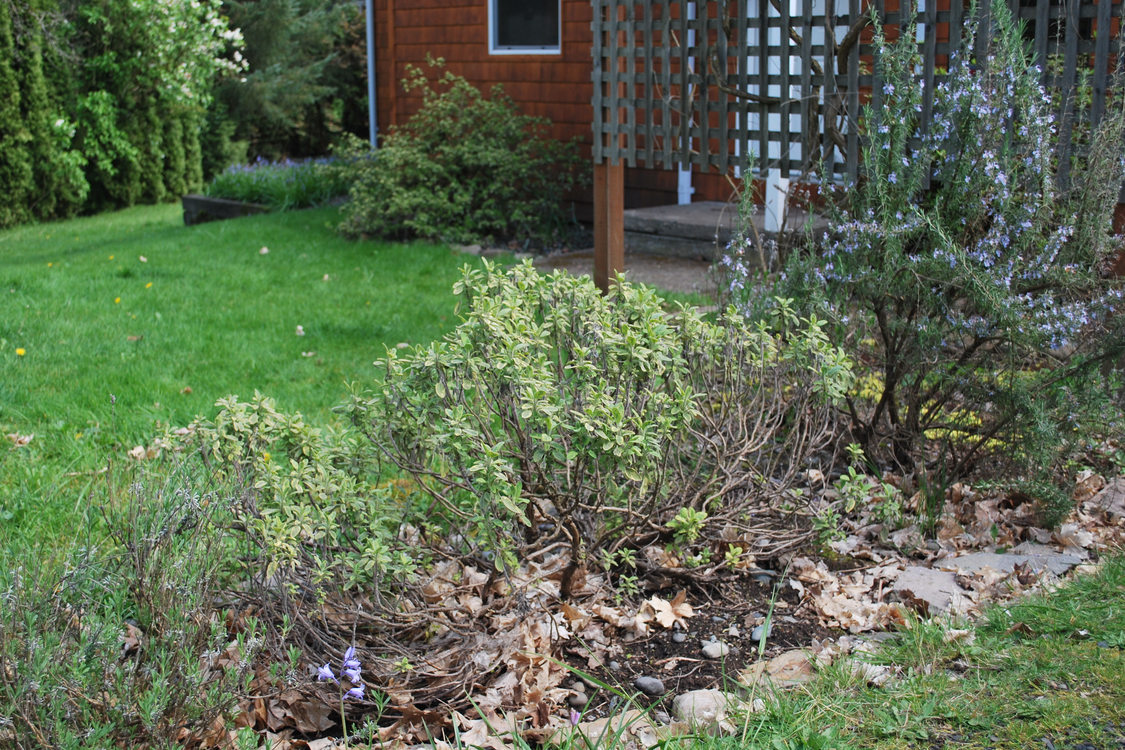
493, 656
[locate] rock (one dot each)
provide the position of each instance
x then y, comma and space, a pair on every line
679, 636
784, 670
1034, 556
578, 686
649, 686
495, 252
524, 256
931, 590
760, 632
715, 649
614, 666
708, 709
662, 717
469, 249
630, 729
764, 577
577, 700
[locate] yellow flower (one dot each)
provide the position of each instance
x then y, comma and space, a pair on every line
117, 300
265, 455
21, 351
111, 257
78, 436
148, 285
50, 264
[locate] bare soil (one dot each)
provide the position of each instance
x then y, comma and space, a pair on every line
731, 614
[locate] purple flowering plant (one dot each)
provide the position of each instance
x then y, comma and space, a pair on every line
351, 671
961, 270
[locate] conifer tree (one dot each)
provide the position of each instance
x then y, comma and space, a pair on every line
15, 162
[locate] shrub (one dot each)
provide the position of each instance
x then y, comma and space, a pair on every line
310, 519
961, 278
463, 168
283, 185
554, 414
121, 646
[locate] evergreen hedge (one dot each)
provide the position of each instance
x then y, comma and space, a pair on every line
102, 102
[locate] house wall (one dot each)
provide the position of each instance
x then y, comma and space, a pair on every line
558, 87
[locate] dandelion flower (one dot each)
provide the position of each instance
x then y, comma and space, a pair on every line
148, 285
50, 264
111, 257
266, 457
117, 300
21, 351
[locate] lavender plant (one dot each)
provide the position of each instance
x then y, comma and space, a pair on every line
963, 279
282, 185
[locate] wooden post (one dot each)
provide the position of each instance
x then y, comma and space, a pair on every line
609, 222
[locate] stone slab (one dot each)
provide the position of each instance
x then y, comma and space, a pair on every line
1035, 557
932, 590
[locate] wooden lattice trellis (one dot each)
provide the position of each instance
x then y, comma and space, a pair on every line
779, 84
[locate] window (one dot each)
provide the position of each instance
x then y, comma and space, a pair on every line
524, 27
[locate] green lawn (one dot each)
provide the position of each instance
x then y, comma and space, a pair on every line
130, 321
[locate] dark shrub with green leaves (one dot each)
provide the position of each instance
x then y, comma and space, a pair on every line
973, 301
465, 167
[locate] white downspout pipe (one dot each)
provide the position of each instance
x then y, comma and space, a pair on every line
684, 189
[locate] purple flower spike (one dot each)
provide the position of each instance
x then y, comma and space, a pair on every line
356, 692
325, 673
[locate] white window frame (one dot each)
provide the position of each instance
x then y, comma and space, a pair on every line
493, 49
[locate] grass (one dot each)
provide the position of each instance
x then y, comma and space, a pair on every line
116, 347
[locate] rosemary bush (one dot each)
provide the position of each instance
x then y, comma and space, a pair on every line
972, 302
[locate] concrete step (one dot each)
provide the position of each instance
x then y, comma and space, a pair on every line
694, 230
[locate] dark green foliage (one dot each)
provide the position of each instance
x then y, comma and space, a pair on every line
175, 163
303, 80
15, 160
465, 167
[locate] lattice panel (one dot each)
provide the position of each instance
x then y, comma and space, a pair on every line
736, 84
